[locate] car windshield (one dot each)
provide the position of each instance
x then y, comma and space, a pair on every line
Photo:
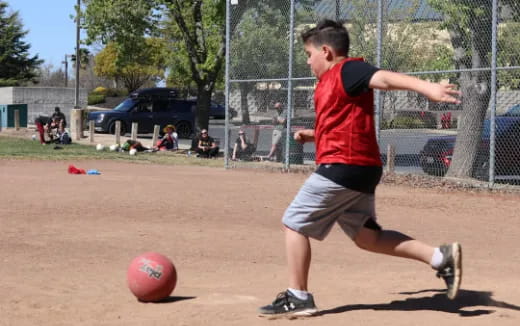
126, 105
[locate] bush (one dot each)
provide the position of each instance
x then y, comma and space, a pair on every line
115, 92
95, 99
407, 123
100, 90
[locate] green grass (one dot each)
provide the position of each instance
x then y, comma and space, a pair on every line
18, 148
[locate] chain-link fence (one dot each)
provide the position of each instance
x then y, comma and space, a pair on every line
471, 43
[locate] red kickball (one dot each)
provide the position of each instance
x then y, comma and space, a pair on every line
151, 277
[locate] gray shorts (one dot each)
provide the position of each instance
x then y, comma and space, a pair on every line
321, 202
277, 136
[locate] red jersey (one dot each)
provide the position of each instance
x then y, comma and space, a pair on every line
344, 130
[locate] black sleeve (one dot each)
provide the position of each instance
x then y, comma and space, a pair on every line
356, 77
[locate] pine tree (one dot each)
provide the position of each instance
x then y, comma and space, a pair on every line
16, 66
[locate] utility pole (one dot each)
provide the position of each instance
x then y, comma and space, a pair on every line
66, 63
78, 19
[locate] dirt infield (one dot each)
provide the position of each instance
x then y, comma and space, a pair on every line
66, 241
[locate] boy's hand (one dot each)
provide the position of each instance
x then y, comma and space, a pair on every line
303, 136
444, 93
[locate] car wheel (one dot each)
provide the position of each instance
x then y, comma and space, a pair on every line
112, 128
183, 129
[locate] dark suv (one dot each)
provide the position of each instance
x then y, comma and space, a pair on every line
148, 107
435, 158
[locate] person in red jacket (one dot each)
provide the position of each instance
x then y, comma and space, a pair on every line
349, 167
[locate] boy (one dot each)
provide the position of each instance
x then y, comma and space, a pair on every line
349, 168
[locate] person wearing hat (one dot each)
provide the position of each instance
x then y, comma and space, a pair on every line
242, 149
170, 140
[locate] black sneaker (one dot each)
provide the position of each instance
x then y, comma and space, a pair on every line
451, 268
288, 304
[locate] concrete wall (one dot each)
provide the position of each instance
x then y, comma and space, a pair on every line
6, 95
42, 100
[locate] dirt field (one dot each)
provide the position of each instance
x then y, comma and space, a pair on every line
66, 241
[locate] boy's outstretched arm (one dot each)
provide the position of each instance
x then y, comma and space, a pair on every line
389, 80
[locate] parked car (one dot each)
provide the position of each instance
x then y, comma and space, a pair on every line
513, 111
218, 111
436, 156
150, 107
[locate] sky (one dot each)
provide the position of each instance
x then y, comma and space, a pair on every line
52, 31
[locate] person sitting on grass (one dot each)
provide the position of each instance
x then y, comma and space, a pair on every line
134, 144
170, 140
42, 125
242, 149
207, 147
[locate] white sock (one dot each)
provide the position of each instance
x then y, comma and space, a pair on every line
302, 295
436, 258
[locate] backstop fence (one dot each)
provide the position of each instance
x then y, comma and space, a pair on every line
471, 43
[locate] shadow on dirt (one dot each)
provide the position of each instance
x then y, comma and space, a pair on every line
172, 298
437, 302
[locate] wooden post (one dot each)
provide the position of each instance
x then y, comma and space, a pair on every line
133, 136
390, 158
155, 136
78, 129
91, 130
76, 126
17, 120
118, 132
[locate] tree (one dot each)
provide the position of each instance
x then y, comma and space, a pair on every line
49, 76
470, 25
84, 57
16, 66
200, 26
148, 65
261, 53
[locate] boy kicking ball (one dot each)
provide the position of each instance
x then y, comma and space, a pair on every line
349, 168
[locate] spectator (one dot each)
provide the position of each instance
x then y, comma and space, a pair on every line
243, 149
42, 125
170, 140
134, 144
59, 117
207, 147
279, 122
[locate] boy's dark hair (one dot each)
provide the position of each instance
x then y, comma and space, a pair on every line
328, 32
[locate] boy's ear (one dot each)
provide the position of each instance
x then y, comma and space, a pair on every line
329, 53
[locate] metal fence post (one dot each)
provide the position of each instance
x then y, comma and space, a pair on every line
377, 97
290, 106
226, 95
493, 101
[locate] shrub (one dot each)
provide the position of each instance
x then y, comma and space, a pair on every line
116, 92
95, 99
100, 90
407, 123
